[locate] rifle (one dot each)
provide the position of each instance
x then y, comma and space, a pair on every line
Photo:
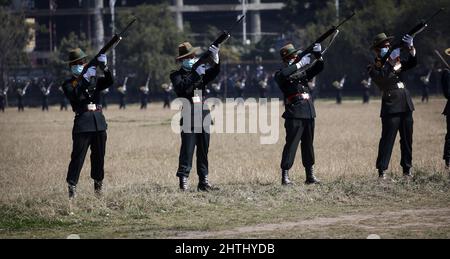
145, 88
49, 88
442, 58
24, 90
123, 88
148, 81
110, 45
224, 36
413, 32
323, 37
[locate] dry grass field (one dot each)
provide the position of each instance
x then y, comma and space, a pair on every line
142, 200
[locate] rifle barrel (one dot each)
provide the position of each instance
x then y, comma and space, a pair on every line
346, 19
434, 15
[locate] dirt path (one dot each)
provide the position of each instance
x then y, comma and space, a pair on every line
398, 220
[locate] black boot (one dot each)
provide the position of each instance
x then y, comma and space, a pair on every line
72, 192
183, 183
447, 164
285, 178
407, 173
205, 186
310, 177
382, 174
98, 188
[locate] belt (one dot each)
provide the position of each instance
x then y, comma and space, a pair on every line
298, 97
90, 108
399, 85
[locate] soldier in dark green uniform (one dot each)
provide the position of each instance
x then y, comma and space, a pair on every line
446, 91
191, 85
397, 106
89, 130
300, 113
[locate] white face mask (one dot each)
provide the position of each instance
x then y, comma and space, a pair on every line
291, 62
76, 70
189, 63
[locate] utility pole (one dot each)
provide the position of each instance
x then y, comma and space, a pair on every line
179, 14
112, 4
52, 8
244, 22
99, 30
256, 23
337, 10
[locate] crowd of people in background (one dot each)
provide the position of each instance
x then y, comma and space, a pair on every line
240, 82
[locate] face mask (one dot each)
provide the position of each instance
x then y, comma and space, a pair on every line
384, 51
77, 69
189, 63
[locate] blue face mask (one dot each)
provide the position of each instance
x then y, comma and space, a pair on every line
189, 63
76, 70
383, 52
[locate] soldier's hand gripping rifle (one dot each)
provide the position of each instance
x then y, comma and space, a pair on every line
224, 36
413, 32
110, 45
334, 30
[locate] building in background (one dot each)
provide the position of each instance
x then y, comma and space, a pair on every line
61, 17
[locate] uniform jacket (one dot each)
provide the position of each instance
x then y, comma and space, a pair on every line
291, 82
186, 82
394, 99
82, 95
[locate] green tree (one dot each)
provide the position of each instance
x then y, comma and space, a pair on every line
14, 35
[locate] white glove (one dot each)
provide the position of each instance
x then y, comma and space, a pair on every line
317, 48
215, 53
395, 54
409, 40
103, 59
92, 71
201, 70
306, 60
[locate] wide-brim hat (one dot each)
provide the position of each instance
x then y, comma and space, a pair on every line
287, 51
185, 50
447, 52
76, 55
379, 39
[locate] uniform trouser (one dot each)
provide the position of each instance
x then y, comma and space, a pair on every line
425, 95
447, 141
167, 103
188, 143
123, 104
366, 97
20, 105
339, 97
45, 104
298, 130
81, 142
393, 123
144, 102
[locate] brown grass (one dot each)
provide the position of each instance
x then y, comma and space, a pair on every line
141, 162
